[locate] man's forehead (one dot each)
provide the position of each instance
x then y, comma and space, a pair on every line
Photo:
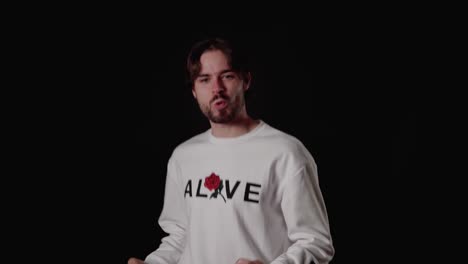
206, 73
214, 62
214, 57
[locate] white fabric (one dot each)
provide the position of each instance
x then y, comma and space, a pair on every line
271, 206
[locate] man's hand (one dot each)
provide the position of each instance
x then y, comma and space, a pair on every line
135, 261
245, 261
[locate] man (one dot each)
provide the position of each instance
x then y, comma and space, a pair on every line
242, 192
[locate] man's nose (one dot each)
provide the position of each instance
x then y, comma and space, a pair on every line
218, 86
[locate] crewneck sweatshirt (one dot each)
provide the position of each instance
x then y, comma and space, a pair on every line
255, 196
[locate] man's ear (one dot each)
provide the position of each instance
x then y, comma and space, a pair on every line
247, 81
194, 94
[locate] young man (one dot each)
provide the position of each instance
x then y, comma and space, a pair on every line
242, 192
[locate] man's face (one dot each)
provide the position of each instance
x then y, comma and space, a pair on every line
219, 90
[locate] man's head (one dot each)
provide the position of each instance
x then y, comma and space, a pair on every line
219, 78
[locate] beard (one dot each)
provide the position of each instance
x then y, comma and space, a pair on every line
227, 114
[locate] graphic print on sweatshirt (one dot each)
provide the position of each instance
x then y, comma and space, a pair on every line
214, 187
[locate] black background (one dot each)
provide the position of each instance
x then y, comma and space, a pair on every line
112, 104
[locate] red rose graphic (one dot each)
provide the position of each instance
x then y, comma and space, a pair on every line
213, 182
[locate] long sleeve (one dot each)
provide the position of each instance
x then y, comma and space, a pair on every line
306, 219
173, 220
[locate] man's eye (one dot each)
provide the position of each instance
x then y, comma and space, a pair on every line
203, 80
228, 76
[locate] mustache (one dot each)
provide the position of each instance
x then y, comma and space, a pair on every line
219, 96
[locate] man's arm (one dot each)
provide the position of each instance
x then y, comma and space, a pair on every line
173, 220
306, 219
135, 261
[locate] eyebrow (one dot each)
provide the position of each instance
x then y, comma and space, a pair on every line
221, 72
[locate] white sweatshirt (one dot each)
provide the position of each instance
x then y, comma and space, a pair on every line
255, 196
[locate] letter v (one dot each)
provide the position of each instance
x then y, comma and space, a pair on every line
230, 193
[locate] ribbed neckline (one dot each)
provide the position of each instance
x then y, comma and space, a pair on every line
232, 140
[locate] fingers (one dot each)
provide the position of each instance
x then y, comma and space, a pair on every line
242, 261
246, 261
135, 261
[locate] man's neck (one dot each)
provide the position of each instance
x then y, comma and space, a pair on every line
235, 128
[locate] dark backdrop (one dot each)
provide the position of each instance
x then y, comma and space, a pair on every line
354, 92
335, 88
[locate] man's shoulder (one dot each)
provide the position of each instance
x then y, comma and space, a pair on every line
288, 146
193, 142
281, 138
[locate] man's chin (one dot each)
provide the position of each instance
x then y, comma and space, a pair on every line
221, 119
